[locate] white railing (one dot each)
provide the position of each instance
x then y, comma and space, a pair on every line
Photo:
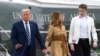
7, 54
1, 53
3, 30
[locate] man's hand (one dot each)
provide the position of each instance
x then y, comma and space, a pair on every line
95, 44
44, 51
72, 47
47, 55
69, 54
18, 46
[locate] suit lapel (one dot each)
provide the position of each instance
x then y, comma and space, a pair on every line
30, 27
23, 28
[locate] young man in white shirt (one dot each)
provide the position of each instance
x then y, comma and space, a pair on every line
80, 33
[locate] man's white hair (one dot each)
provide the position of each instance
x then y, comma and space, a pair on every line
25, 10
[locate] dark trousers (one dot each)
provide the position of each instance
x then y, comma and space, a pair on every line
82, 48
28, 51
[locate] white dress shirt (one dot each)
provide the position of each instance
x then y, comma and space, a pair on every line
83, 27
28, 26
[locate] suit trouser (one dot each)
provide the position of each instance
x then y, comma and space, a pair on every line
82, 48
28, 51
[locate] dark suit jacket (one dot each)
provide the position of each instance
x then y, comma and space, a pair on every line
18, 35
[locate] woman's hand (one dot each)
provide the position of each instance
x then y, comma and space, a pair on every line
49, 49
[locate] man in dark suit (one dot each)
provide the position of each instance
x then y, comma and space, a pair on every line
23, 35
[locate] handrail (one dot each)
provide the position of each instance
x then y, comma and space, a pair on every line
7, 54
4, 31
1, 54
